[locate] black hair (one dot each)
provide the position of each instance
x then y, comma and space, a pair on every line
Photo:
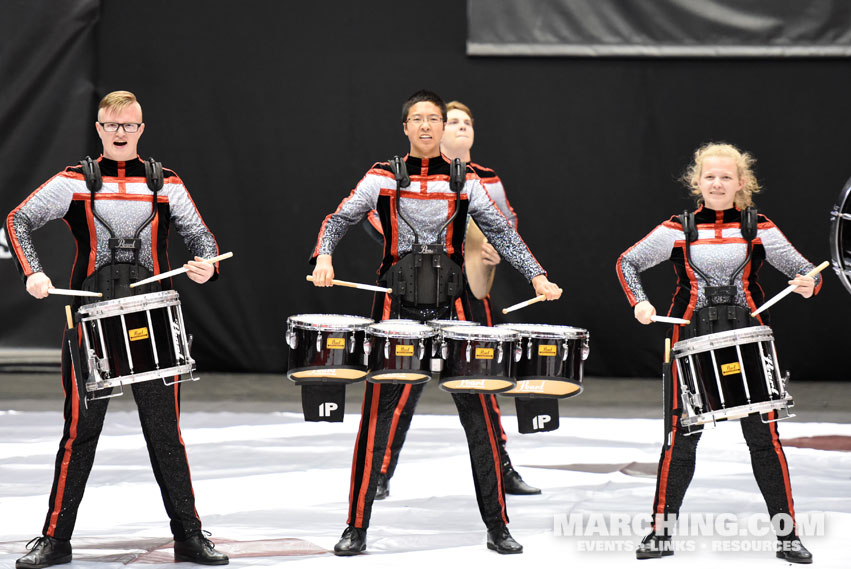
420, 97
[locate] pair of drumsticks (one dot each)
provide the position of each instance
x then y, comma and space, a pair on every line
540, 297
180, 271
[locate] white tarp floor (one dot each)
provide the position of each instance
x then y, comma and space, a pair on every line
273, 491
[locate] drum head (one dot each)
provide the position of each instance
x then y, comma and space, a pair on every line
546, 331
329, 322
401, 329
127, 304
403, 377
439, 324
480, 333
344, 375
718, 340
840, 236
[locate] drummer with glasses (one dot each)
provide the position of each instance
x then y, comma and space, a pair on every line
119, 209
717, 251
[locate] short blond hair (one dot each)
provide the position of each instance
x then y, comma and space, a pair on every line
117, 101
744, 168
453, 105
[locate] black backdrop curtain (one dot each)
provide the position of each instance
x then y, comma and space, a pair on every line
272, 111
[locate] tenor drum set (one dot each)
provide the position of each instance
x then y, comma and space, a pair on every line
521, 360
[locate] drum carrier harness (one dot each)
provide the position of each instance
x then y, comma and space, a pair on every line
114, 279
426, 276
722, 313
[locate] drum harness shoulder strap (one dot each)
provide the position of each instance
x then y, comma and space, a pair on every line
105, 279
426, 275
722, 313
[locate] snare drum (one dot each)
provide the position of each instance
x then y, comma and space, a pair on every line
134, 339
551, 360
478, 359
729, 375
326, 348
399, 351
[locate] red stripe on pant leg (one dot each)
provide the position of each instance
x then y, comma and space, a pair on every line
66, 457
781, 457
496, 409
180, 436
459, 309
497, 463
666, 462
397, 412
367, 470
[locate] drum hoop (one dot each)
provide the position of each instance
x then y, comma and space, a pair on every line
440, 324
546, 331
479, 334
837, 254
726, 339
417, 331
298, 321
129, 304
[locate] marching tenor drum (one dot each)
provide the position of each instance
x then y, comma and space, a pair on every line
326, 348
478, 359
399, 351
729, 375
551, 360
840, 236
134, 339
438, 325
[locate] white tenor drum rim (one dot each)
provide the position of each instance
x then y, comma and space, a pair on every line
396, 329
150, 301
480, 334
330, 322
546, 331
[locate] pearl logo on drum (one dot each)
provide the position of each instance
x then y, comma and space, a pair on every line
484, 353
547, 350
336, 343
539, 422
730, 369
137, 334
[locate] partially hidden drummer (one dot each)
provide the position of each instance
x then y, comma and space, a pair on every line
416, 211
119, 211
717, 251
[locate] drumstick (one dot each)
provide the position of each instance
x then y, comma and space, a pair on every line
669, 320
72, 292
524, 304
667, 350
789, 289
357, 285
180, 271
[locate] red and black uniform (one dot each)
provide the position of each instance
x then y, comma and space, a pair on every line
427, 204
481, 311
124, 202
719, 250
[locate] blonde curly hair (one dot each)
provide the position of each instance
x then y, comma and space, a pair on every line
744, 167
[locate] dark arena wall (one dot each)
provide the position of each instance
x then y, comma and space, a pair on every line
272, 111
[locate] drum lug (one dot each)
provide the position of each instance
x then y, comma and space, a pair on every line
565, 348
422, 349
435, 344
367, 345
586, 349
387, 349
528, 349
499, 353
292, 339
469, 350
518, 351
444, 350
319, 341
352, 343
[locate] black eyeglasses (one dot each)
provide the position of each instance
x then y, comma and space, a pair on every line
129, 127
417, 120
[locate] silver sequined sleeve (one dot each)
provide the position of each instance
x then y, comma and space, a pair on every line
188, 222
782, 255
499, 231
350, 212
655, 248
51, 201
496, 191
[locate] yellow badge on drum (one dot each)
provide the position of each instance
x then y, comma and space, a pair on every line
730, 369
547, 350
484, 353
137, 334
336, 344
403, 350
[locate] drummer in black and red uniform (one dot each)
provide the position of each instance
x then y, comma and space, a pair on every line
104, 224
427, 204
722, 180
480, 261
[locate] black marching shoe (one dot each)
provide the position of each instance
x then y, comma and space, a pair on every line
654, 547
44, 552
353, 542
793, 551
382, 490
501, 541
514, 484
198, 549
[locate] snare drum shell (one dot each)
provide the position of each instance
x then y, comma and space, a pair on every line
327, 364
